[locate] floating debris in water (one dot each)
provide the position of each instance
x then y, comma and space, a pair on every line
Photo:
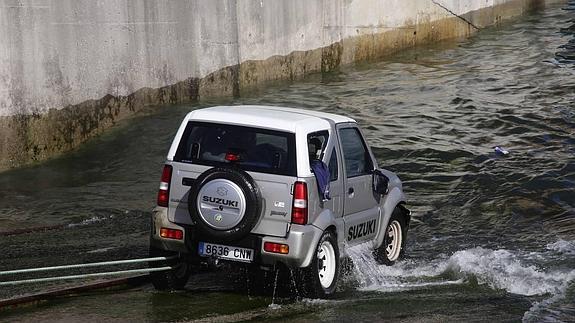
500, 150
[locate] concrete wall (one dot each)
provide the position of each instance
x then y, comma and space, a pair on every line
71, 68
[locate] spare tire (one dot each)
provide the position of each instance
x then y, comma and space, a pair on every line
224, 203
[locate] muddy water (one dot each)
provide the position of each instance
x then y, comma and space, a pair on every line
493, 235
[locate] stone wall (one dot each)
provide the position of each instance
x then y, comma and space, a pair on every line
69, 69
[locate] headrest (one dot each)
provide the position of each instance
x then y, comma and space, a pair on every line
313, 146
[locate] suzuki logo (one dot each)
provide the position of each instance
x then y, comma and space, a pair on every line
220, 201
222, 191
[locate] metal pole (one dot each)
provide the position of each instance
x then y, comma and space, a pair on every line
93, 264
112, 273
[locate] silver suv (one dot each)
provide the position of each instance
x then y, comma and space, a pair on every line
265, 186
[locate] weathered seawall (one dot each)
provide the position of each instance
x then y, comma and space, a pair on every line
69, 69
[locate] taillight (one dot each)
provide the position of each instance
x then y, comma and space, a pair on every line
276, 247
299, 207
164, 192
231, 157
171, 233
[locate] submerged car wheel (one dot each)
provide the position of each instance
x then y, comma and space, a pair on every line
394, 240
174, 279
323, 273
224, 203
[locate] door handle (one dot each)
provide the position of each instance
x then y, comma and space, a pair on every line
350, 191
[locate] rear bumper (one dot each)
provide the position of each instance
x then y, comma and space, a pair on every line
160, 220
301, 239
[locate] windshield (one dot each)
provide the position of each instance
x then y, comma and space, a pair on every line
251, 149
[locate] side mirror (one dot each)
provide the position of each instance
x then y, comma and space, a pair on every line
380, 182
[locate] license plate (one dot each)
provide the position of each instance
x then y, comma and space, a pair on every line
225, 252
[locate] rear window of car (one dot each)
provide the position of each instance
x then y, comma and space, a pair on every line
251, 149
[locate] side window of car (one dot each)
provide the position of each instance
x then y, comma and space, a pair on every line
316, 142
333, 166
355, 153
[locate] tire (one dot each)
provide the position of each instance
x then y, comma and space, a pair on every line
321, 276
174, 279
393, 244
243, 188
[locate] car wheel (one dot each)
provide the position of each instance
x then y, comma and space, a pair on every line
224, 203
323, 273
174, 279
393, 244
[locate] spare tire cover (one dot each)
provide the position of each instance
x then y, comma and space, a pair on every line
224, 203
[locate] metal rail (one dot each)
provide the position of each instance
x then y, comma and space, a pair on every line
111, 273
93, 264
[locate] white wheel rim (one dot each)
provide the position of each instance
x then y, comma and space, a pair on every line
326, 264
393, 241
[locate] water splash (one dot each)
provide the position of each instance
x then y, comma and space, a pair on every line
562, 246
498, 269
502, 269
543, 311
403, 275
92, 220
109, 214
273, 305
512, 271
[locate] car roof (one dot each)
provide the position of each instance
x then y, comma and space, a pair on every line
271, 117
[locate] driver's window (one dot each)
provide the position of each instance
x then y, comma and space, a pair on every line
355, 153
